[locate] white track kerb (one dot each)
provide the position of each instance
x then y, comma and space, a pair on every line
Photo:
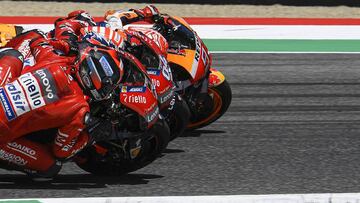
331, 39
259, 31
285, 198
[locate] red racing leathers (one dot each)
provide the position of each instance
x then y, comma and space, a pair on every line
42, 97
67, 30
66, 34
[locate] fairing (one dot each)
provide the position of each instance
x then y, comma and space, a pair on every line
188, 50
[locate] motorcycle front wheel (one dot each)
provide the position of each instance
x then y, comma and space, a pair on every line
220, 97
179, 118
113, 163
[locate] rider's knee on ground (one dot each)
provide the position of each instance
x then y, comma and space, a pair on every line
52, 171
30, 157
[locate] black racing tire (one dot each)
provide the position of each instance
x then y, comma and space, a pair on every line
223, 93
105, 165
179, 118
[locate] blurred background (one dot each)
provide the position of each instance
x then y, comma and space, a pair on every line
193, 8
249, 2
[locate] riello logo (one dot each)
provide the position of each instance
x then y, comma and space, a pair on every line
136, 99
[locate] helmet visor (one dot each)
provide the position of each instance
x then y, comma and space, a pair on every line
100, 74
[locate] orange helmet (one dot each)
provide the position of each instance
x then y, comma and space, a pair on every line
100, 70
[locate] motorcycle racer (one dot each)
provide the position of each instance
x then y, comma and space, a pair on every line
69, 29
64, 36
48, 96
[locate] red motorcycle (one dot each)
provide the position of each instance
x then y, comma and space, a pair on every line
135, 134
172, 107
205, 89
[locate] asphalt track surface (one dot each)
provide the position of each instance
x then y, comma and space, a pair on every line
293, 127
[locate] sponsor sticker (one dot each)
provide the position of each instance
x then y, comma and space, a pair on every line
17, 98
32, 90
196, 57
95, 94
23, 149
106, 66
204, 56
30, 61
125, 89
86, 81
166, 96
135, 99
8, 109
155, 82
166, 71
12, 158
26, 93
152, 115
136, 89
24, 48
61, 138
153, 71
47, 84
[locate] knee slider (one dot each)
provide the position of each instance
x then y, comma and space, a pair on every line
51, 172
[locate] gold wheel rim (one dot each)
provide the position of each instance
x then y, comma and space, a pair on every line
216, 109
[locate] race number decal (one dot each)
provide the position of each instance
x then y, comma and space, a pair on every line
165, 68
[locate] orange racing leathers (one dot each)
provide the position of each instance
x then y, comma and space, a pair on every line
44, 96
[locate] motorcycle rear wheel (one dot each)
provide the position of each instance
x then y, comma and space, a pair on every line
221, 99
106, 165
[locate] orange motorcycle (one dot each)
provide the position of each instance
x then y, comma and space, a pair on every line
204, 88
7, 32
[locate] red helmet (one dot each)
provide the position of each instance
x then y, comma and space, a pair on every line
100, 70
150, 11
82, 16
